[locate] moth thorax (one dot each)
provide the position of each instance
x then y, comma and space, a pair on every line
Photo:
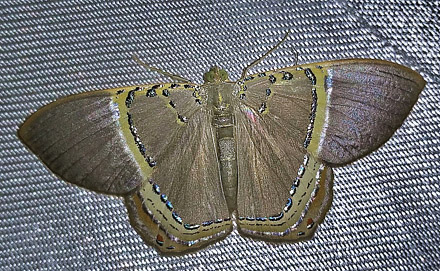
215, 75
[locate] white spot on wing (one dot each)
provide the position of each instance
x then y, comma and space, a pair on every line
115, 111
329, 83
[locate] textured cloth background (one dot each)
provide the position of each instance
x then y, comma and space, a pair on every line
385, 213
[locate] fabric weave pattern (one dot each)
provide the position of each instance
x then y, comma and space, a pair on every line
385, 213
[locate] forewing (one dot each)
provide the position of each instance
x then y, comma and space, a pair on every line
365, 102
79, 139
156, 143
329, 113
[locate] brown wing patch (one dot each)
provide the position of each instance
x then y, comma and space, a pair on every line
368, 100
181, 192
79, 139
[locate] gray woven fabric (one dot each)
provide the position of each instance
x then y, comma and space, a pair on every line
385, 214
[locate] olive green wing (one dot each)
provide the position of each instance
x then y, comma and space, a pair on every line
295, 122
153, 144
182, 193
283, 191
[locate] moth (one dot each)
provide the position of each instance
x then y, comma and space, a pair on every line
190, 160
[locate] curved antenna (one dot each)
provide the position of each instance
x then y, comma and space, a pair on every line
173, 77
296, 55
243, 74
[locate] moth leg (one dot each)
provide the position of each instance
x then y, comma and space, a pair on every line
243, 74
174, 77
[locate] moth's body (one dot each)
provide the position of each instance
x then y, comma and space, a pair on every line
189, 157
222, 103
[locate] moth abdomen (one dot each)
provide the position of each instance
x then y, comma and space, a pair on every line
224, 127
228, 170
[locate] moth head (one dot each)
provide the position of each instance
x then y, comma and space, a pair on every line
215, 75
